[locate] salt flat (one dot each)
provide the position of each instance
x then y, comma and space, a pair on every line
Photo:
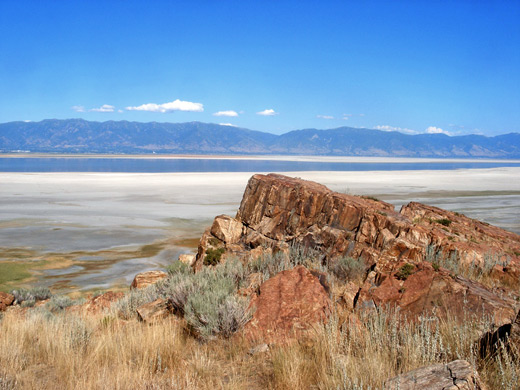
97, 229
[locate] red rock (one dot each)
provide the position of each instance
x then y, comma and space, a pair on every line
145, 279
429, 291
102, 302
277, 210
289, 304
5, 300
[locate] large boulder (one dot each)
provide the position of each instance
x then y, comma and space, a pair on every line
145, 279
5, 300
287, 306
456, 375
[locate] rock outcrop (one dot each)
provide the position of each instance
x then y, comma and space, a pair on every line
429, 291
145, 279
277, 211
412, 258
5, 300
288, 305
456, 375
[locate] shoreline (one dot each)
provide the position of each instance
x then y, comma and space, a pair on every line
296, 158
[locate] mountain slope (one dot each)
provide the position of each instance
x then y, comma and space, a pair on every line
81, 136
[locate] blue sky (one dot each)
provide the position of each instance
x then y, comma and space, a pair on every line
436, 66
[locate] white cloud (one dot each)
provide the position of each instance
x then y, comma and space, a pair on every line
176, 105
268, 112
436, 130
120, 111
325, 116
103, 108
78, 108
226, 113
361, 114
228, 124
392, 128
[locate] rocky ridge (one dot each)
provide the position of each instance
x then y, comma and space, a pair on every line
417, 259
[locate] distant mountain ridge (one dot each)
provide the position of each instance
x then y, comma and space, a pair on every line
81, 136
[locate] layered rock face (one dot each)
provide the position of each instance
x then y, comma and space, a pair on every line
277, 211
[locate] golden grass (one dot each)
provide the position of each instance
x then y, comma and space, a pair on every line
65, 351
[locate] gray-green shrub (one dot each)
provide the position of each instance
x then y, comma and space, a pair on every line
347, 268
126, 307
33, 294
208, 299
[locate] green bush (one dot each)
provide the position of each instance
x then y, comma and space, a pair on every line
443, 221
405, 271
213, 256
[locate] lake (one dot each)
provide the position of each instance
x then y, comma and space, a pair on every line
232, 164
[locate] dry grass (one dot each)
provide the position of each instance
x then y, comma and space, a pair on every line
63, 351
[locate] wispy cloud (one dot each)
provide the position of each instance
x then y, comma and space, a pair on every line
346, 116
78, 108
226, 113
228, 124
392, 128
103, 108
268, 112
436, 130
176, 105
325, 116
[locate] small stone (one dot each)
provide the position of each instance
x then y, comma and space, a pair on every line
5, 300
145, 279
154, 311
260, 348
187, 259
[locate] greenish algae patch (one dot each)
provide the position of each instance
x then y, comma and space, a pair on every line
12, 274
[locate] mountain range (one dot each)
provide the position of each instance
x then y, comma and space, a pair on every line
81, 136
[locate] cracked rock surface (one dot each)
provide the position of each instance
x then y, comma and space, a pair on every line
456, 375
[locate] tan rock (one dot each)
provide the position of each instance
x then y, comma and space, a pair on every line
349, 294
145, 279
5, 300
187, 259
456, 375
154, 311
288, 305
227, 229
